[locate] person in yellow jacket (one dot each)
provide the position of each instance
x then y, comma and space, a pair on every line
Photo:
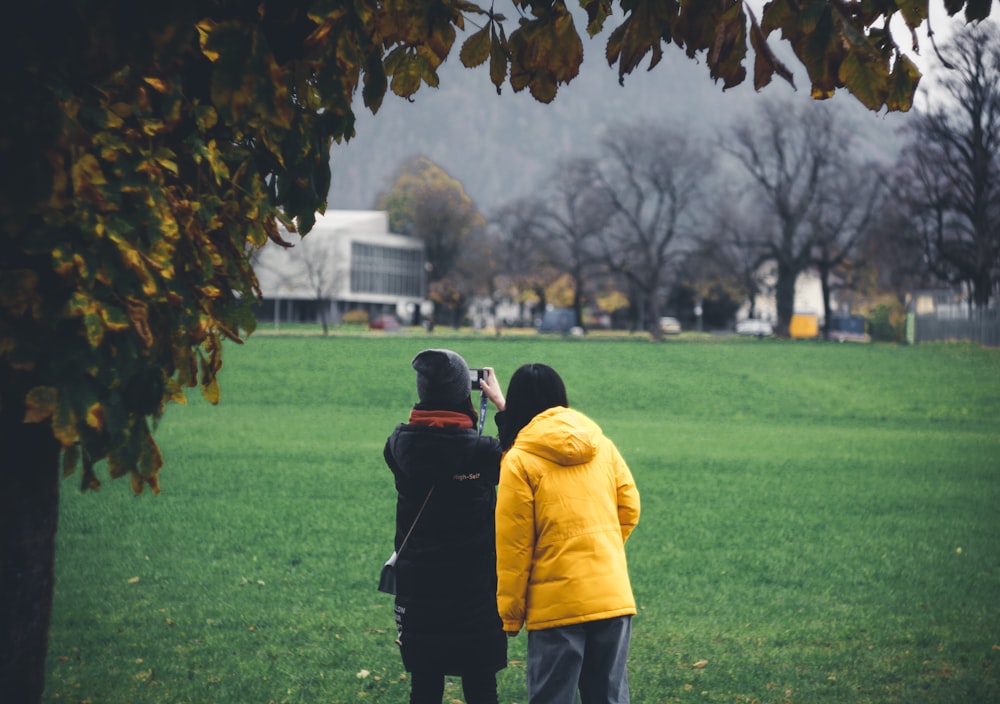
566, 504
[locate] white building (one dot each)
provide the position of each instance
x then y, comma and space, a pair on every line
808, 296
349, 260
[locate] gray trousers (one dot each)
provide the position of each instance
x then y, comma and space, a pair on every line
590, 657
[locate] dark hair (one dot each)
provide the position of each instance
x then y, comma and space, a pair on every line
533, 388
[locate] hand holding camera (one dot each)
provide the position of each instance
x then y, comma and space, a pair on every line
485, 380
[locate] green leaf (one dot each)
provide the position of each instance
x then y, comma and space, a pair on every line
861, 74
476, 49
766, 64
639, 34
902, 85
406, 69
498, 58
914, 12
545, 52
729, 48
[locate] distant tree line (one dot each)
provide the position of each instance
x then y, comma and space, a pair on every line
661, 218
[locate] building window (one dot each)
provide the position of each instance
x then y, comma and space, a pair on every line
389, 271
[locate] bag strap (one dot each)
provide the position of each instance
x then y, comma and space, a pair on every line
482, 410
414, 524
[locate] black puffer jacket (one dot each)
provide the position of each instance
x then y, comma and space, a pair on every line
446, 608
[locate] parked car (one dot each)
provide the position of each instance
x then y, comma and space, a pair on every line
848, 328
670, 326
384, 322
560, 320
754, 327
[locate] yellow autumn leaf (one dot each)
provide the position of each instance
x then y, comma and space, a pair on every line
40, 403
64, 424
114, 318
95, 416
158, 84
211, 391
153, 127
112, 120
205, 28
86, 172
175, 392
169, 164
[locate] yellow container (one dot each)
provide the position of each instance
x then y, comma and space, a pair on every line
803, 325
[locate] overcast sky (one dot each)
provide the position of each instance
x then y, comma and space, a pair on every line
499, 147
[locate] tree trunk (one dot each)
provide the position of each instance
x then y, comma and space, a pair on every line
982, 287
784, 293
654, 314
29, 512
578, 306
824, 279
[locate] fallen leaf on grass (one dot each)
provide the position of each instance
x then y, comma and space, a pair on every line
133, 580
362, 674
700, 664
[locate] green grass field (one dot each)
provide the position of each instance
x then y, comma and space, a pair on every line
820, 525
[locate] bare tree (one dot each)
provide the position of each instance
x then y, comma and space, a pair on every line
891, 255
318, 262
306, 270
524, 258
570, 222
847, 211
652, 176
790, 153
728, 256
953, 191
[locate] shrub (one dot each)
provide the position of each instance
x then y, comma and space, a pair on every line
355, 317
887, 323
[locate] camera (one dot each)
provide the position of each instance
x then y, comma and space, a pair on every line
475, 376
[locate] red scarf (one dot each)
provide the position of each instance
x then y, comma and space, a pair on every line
440, 419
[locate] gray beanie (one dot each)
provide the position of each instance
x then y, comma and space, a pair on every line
442, 378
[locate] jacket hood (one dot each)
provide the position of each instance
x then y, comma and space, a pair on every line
560, 435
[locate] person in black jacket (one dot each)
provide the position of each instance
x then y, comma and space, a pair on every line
446, 609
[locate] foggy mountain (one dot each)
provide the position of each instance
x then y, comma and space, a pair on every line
501, 146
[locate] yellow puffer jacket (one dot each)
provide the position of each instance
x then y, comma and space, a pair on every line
566, 503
